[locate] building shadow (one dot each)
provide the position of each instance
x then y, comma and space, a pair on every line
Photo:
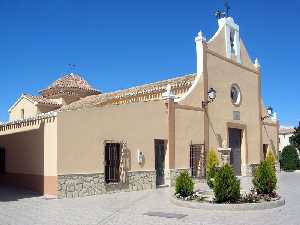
23, 176
12, 193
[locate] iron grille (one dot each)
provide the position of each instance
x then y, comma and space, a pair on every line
112, 162
197, 160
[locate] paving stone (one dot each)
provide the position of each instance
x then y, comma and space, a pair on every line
21, 207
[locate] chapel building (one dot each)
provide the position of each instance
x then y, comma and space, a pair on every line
73, 140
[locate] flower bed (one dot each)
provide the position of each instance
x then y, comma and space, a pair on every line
226, 192
246, 197
206, 204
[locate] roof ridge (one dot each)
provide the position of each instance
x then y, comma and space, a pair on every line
130, 92
152, 83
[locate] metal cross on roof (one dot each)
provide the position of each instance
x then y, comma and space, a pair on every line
227, 8
219, 14
72, 67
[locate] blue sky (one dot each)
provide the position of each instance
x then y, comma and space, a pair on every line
118, 44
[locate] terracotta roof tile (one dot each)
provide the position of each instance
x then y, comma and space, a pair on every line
151, 88
69, 82
286, 130
42, 100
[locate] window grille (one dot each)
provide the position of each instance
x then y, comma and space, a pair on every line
197, 160
112, 162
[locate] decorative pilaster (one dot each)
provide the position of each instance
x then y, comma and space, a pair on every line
169, 97
200, 47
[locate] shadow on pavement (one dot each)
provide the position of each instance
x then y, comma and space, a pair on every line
10, 193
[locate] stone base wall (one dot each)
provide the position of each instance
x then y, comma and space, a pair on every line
171, 175
81, 185
141, 180
249, 170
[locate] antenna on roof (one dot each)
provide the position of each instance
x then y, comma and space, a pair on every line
72, 68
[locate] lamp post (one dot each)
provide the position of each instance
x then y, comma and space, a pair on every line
211, 94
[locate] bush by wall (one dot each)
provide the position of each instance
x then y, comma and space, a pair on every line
184, 184
211, 168
289, 158
295, 138
271, 158
226, 185
265, 179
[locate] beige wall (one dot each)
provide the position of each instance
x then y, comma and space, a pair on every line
81, 135
221, 75
189, 130
29, 110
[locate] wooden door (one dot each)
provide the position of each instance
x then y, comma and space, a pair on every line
235, 140
160, 153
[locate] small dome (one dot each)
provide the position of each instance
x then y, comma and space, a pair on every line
70, 84
71, 81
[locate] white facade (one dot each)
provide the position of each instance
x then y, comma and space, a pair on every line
284, 136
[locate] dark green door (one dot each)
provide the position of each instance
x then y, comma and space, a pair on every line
160, 153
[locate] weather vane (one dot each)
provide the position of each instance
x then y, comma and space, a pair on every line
219, 14
72, 67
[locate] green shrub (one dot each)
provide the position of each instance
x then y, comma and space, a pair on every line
295, 138
289, 158
270, 158
265, 179
184, 184
226, 185
211, 168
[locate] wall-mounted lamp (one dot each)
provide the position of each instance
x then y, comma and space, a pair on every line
269, 113
211, 94
140, 156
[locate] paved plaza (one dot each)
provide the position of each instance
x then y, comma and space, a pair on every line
143, 207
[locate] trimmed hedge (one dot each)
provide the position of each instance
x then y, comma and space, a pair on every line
184, 184
289, 158
226, 185
265, 179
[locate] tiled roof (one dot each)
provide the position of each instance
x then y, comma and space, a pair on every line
286, 130
71, 80
42, 100
152, 89
68, 82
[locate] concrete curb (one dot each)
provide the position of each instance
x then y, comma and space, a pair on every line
228, 207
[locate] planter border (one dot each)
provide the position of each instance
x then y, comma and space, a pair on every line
228, 207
